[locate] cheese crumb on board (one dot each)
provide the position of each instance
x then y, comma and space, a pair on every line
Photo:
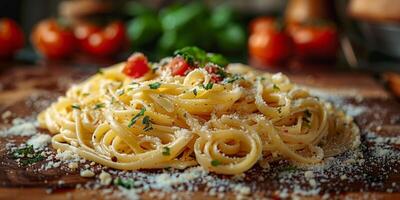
20, 127
87, 173
39, 141
105, 178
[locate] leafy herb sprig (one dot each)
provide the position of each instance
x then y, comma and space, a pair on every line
194, 55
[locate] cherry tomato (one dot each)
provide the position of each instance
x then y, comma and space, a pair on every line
136, 66
83, 31
270, 46
213, 71
11, 37
53, 40
106, 41
179, 66
262, 24
315, 41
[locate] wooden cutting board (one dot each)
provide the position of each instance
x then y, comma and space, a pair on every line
24, 89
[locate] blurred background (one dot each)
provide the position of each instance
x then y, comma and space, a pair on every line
270, 34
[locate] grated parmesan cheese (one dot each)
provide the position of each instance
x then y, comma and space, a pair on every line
87, 173
39, 141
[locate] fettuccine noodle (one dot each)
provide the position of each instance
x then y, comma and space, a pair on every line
160, 120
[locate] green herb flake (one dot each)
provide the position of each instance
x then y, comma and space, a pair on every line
134, 83
155, 85
233, 78
215, 163
100, 71
124, 182
99, 106
27, 155
166, 151
275, 87
85, 94
208, 86
221, 73
195, 92
147, 123
289, 168
136, 117
75, 107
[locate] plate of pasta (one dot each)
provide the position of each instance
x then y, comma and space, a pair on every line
195, 109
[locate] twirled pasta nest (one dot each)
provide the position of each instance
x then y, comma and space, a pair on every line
160, 120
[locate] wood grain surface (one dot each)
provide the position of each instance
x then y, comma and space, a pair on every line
24, 89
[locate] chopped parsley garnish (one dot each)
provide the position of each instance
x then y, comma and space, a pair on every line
155, 85
124, 182
195, 92
75, 107
99, 105
221, 73
194, 55
100, 71
136, 117
134, 83
289, 168
215, 163
279, 109
27, 155
85, 94
275, 87
147, 123
166, 151
208, 86
233, 78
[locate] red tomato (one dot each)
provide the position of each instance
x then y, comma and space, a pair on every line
270, 46
318, 41
106, 41
83, 31
179, 66
213, 71
262, 24
136, 66
11, 37
53, 40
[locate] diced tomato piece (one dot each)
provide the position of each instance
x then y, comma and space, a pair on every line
136, 66
179, 66
213, 71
